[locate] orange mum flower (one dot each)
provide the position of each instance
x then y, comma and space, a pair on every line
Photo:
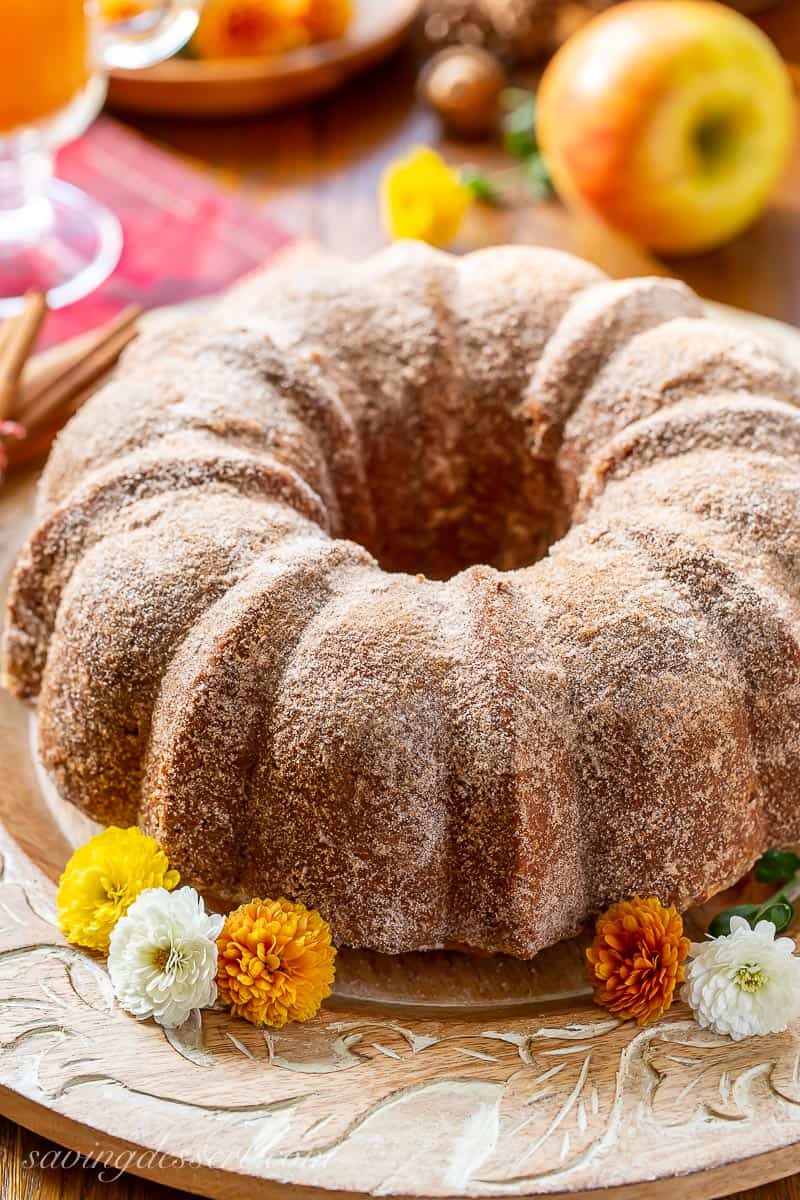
637, 958
275, 962
250, 28
327, 19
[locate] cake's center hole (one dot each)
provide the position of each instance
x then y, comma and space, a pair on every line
503, 510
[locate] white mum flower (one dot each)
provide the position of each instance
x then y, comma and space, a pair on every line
163, 956
745, 983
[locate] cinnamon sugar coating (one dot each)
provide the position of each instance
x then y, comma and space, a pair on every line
455, 598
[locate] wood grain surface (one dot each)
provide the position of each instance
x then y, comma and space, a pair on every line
317, 168
22, 1178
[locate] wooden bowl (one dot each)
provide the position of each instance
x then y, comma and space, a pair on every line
226, 87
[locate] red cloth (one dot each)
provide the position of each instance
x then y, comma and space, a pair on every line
185, 235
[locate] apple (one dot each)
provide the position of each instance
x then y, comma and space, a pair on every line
671, 119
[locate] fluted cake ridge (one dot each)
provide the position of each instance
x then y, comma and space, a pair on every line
454, 597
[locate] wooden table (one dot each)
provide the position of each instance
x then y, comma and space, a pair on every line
318, 169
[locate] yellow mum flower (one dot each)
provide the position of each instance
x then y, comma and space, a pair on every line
423, 198
275, 962
250, 28
328, 19
102, 880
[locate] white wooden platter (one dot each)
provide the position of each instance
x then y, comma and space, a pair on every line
426, 1075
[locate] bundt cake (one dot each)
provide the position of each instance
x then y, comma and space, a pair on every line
457, 598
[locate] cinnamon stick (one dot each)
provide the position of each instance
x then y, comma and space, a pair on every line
49, 387
16, 342
55, 384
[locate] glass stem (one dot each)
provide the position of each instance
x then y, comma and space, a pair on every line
25, 211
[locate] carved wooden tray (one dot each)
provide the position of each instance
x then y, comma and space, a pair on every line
426, 1075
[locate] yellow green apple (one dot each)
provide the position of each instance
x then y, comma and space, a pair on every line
671, 119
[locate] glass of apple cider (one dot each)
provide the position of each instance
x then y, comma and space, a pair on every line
53, 58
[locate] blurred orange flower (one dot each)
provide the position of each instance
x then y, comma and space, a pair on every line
327, 19
250, 28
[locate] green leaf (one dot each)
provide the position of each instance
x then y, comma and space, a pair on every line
519, 128
778, 910
482, 186
721, 925
777, 866
536, 176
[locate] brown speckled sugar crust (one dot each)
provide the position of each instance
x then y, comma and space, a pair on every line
456, 598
